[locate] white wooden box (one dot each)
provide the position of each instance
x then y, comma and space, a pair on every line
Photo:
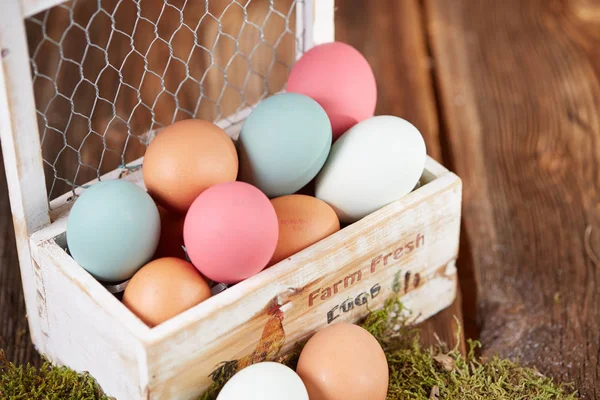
408, 248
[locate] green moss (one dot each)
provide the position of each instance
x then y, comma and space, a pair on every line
439, 373
47, 383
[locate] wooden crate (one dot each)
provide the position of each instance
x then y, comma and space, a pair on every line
407, 248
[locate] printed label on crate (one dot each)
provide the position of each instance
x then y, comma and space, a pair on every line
355, 294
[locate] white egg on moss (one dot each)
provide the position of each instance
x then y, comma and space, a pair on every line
264, 381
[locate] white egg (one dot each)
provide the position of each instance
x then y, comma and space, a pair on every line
264, 381
374, 163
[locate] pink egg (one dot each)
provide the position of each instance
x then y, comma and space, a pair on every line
340, 79
230, 232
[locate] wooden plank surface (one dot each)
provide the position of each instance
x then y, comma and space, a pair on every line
519, 85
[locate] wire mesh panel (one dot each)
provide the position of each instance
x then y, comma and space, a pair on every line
108, 74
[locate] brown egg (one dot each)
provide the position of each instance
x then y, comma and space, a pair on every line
171, 235
164, 288
185, 159
344, 362
303, 221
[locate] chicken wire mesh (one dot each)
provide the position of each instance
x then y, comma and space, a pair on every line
108, 74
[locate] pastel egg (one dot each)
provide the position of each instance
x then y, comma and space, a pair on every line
284, 143
340, 79
264, 381
230, 232
163, 289
343, 362
303, 221
113, 230
376, 162
185, 159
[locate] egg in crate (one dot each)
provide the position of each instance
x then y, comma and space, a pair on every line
303, 221
230, 232
164, 288
374, 163
284, 143
340, 79
185, 159
113, 229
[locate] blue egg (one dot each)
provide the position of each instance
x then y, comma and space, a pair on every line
113, 230
284, 143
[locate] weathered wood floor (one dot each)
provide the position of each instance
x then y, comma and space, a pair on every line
507, 94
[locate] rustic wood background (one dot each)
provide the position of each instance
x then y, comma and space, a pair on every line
507, 95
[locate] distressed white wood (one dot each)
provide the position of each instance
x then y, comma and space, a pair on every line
47, 250
32, 7
88, 328
323, 22
302, 33
315, 23
22, 158
434, 169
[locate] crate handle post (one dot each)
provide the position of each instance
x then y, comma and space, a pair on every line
22, 154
